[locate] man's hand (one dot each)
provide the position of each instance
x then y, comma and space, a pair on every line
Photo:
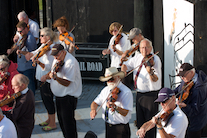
53, 75
8, 51
181, 104
106, 51
15, 39
93, 113
111, 105
141, 133
43, 78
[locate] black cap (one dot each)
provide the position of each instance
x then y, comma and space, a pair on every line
56, 48
164, 95
184, 68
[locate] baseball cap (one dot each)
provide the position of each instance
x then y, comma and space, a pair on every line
56, 48
133, 32
184, 68
164, 94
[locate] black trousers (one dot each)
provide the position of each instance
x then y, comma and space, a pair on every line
47, 97
66, 115
193, 134
146, 109
117, 131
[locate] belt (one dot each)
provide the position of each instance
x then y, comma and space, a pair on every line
113, 125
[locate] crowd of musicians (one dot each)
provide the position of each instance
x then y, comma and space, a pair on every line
134, 66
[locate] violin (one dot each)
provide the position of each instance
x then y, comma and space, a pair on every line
4, 77
149, 61
186, 91
41, 52
17, 45
9, 100
21, 44
57, 66
165, 115
114, 94
67, 39
116, 40
130, 53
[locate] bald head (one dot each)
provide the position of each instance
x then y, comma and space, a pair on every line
19, 82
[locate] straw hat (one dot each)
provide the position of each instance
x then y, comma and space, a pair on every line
111, 72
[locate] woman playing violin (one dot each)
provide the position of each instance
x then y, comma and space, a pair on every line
6, 66
116, 112
195, 105
62, 26
171, 122
117, 45
44, 63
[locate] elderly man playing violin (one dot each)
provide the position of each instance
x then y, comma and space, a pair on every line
147, 83
171, 122
195, 104
116, 101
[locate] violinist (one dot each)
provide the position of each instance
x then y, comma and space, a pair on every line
117, 101
23, 107
118, 44
195, 105
171, 122
25, 67
7, 71
66, 85
147, 83
32, 25
136, 36
44, 64
62, 26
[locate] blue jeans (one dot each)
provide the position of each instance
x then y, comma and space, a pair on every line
30, 73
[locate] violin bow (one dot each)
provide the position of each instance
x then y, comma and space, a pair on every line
142, 63
107, 96
69, 34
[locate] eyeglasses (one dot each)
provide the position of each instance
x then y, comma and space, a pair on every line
185, 74
3, 69
20, 31
110, 80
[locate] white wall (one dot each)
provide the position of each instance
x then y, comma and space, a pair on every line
177, 13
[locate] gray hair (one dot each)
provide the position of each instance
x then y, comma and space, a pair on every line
4, 61
150, 43
22, 14
49, 32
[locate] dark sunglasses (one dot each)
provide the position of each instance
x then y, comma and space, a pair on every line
110, 80
20, 31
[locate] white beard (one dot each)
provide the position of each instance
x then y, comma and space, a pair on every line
110, 85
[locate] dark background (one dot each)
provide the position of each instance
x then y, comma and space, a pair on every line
95, 16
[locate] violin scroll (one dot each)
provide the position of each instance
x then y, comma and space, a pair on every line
4, 77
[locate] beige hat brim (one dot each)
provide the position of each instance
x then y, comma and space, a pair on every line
120, 74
